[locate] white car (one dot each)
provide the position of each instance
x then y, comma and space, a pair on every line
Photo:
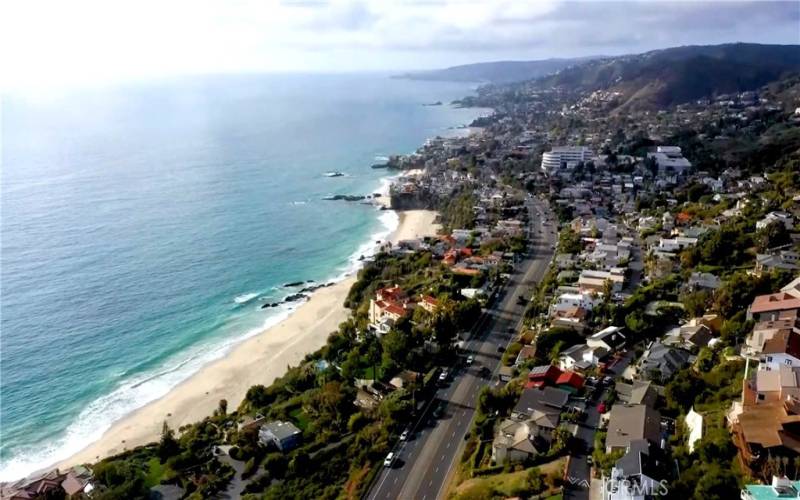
470, 359
443, 376
387, 462
404, 435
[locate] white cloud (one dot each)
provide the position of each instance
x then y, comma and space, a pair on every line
55, 41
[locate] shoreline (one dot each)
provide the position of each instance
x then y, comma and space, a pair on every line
259, 359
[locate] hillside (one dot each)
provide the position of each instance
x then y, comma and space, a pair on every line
676, 75
495, 72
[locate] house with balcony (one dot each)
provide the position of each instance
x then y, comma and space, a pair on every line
773, 306
387, 307
531, 428
782, 350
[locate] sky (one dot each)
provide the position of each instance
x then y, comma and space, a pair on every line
66, 42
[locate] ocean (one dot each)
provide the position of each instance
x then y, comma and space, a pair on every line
144, 225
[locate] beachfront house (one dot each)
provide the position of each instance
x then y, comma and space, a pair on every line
387, 307
283, 435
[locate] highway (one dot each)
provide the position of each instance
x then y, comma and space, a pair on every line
424, 462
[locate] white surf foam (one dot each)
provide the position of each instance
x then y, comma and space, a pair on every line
389, 220
138, 391
245, 298
129, 395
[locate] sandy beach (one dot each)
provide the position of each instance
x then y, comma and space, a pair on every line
257, 360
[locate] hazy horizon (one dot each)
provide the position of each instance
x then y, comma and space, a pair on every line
96, 43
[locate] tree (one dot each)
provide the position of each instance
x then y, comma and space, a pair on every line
705, 360
444, 323
681, 391
535, 480
222, 409
121, 478
774, 235
167, 446
696, 303
716, 484
696, 191
396, 346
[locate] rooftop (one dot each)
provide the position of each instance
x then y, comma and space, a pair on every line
774, 302
281, 430
632, 422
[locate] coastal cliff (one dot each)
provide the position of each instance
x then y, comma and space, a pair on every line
415, 200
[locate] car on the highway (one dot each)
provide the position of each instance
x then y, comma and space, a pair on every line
438, 411
443, 376
484, 372
387, 462
404, 436
470, 359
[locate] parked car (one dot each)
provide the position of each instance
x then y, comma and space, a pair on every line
501, 348
443, 376
387, 462
484, 372
601, 408
404, 436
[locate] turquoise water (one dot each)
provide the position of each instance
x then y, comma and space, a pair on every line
143, 227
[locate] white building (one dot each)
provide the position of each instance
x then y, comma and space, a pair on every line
783, 217
694, 423
672, 245
567, 301
670, 158
565, 156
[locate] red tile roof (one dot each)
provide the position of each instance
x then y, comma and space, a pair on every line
549, 373
570, 378
780, 301
429, 300
394, 309
393, 293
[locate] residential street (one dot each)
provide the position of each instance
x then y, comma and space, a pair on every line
425, 461
578, 472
